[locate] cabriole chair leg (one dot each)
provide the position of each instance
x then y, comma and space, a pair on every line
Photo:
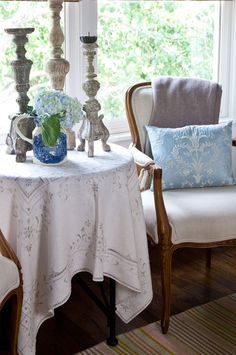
16, 300
166, 261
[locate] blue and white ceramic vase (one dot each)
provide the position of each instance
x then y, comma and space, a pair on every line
42, 154
49, 155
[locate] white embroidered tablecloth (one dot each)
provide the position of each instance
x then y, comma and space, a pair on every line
85, 215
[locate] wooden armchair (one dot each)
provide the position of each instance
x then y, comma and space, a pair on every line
11, 296
199, 217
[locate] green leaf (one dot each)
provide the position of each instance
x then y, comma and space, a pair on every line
29, 109
50, 130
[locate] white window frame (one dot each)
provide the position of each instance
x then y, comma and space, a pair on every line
226, 61
225, 66
230, 52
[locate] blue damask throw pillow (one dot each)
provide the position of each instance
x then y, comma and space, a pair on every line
193, 156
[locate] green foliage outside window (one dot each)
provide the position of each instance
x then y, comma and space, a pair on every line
142, 39
137, 41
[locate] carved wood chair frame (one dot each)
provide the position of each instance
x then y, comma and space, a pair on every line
15, 297
166, 246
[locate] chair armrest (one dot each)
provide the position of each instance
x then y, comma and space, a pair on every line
164, 228
151, 171
144, 164
7, 251
141, 159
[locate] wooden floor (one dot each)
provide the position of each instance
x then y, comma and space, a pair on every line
79, 324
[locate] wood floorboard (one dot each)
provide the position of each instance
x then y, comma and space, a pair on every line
79, 324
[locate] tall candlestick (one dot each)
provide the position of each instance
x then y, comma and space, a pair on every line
21, 69
57, 67
92, 127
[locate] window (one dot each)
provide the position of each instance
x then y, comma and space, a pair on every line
151, 38
137, 40
140, 39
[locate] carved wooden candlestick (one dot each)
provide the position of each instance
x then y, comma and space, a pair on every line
21, 69
57, 67
92, 127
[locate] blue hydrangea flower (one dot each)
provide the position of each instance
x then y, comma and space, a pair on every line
51, 102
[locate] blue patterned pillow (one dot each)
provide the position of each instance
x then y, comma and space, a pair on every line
193, 156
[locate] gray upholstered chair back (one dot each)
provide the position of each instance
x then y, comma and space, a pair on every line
174, 102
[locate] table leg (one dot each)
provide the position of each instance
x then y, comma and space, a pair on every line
107, 306
112, 340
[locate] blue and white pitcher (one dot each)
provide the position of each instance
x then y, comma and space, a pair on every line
42, 154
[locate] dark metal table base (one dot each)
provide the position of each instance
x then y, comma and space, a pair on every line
108, 307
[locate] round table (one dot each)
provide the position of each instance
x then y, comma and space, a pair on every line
85, 215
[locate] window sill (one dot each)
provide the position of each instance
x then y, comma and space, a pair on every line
123, 139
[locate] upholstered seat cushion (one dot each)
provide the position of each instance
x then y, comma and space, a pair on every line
196, 215
9, 276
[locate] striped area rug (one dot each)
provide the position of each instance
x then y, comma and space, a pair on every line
209, 329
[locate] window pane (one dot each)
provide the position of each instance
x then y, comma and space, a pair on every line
142, 39
22, 14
